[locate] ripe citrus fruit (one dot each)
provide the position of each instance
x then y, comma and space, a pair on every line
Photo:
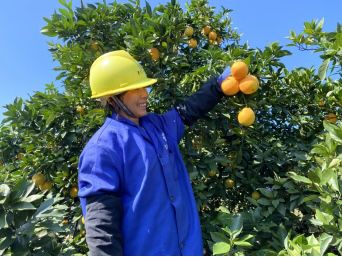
20, 156
73, 192
256, 195
38, 179
246, 116
219, 40
79, 109
192, 43
249, 84
95, 46
230, 86
212, 173
331, 117
212, 35
154, 52
239, 70
206, 30
229, 183
189, 31
46, 186
321, 103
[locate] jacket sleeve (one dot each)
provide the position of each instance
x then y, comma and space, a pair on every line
99, 192
102, 225
200, 103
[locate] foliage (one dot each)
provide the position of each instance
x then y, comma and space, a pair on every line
289, 155
30, 222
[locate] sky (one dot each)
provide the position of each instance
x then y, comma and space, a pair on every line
27, 65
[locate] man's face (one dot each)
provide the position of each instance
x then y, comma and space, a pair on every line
136, 101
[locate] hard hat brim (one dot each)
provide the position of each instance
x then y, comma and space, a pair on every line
141, 84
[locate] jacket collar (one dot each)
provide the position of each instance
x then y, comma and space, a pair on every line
116, 116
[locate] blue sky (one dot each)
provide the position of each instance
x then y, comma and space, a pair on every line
26, 64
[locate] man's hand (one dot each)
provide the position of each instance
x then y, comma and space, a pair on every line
224, 75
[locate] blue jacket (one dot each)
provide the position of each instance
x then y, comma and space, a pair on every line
147, 206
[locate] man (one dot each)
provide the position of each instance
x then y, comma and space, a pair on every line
134, 188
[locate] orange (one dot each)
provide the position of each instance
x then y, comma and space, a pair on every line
73, 192
256, 195
189, 31
212, 173
331, 117
95, 46
229, 183
249, 85
20, 156
246, 116
212, 35
154, 52
212, 42
192, 43
230, 86
46, 186
38, 179
206, 30
239, 70
79, 109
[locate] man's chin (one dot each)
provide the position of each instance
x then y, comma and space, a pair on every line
142, 114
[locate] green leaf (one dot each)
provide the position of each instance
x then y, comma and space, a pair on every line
236, 223
275, 203
4, 192
281, 209
264, 201
334, 131
148, 9
6, 241
45, 206
333, 182
218, 237
299, 178
221, 248
19, 206
334, 163
3, 222
243, 243
29, 189
321, 149
50, 119
325, 218
322, 71
320, 24
325, 241
32, 198
310, 198
266, 192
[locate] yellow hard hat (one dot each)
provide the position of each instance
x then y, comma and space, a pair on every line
116, 72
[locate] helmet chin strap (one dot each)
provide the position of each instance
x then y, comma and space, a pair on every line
123, 107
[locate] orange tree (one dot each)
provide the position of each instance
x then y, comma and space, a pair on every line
270, 188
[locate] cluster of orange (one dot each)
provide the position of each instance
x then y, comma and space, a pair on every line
206, 31
241, 80
39, 180
192, 42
